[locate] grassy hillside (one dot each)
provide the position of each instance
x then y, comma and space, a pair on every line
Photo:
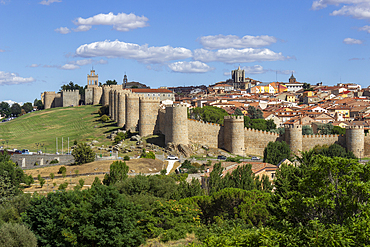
78, 123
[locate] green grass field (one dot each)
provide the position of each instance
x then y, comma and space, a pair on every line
78, 123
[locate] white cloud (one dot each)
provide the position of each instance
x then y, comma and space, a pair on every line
359, 9
102, 61
70, 66
320, 4
48, 2
232, 55
120, 22
62, 30
190, 67
365, 28
34, 65
140, 53
256, 69
356, 59
350, 41
7, 78
82, 28
231, 41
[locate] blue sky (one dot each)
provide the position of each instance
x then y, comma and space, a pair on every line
47, 43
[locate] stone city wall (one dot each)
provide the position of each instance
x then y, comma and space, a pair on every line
28, 161
255, 141
202, 133
310, 141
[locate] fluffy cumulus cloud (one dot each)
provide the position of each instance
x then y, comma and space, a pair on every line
231, 41
62, 30
140, 53
120, 22
190, 67
76, 64
350, 41
48, 2
256, 69
359, 9
365, 28
232, 55
7, 78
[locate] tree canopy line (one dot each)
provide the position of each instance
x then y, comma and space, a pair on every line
324, 201
255, 120
15, 110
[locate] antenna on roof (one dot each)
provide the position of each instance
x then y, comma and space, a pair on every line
276, 75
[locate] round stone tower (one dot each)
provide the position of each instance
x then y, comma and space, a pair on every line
105, 96
148, 115
121, 116
110, 104
355, 140
132, 111
48, 99
97, 95
176, 124
293, 137
234, 134
115, 112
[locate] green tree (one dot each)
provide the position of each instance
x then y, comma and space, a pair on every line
52, 176
330, 190
39, 104
307, 130
99, 216
5, 109
27, 107
171, 220
117, 172
254, 113
41, 180
324, 129
17, 235
15, 109
307, 86
338, 130
238, 112
63, 186
96, 182
209, 114
275, 152
83, 154
72, 86
110, 82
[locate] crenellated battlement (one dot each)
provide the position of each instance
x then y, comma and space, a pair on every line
292, 126
264, 132
149, 99
234, 117
71, 91
320, 136
202, 122
354, 127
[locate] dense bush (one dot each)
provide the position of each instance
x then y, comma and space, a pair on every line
83, 154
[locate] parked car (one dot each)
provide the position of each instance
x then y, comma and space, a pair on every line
221, 157
25, 151
255, 158
172, 157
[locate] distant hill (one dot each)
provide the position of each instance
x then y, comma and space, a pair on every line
78, 123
